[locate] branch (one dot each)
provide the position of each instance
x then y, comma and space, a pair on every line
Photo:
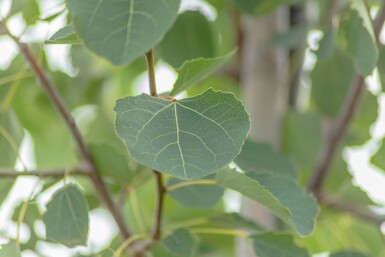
161, 190
58, 102
54, 173
362, 213
338, 132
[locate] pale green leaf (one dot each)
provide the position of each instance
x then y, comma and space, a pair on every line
381, 66
181, 242
274, 245
66, 35
378, 158
260, 158
194, 71
6, 185
121, 31
11, 135
282, 196
347, 254
189, 138
196, 196
66, 219
10, 250
363, 12
191, 37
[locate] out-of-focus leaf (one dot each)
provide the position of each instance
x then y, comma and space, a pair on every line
282, 196
331, 79
361, 45
273, 245
66, 35
181, 242
6, 185
190, 138
191, 37
347, 254
327, 42
11, 135
194, 71
234, 221
259, 158
378, 158
125, 30
196, 196
66, 219
293, 38
10, 249
29, 9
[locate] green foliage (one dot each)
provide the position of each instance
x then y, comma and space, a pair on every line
189, 138
181, 242
66, 35
66, 218
125, 30
347, 254
10, 249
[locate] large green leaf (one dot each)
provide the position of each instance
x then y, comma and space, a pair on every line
260, 158
66, 35
194, 71
191, 37
282, 196
361, 45
196, 196
274, 245
10, 249
121, 31
66, 219
181, 242
331, 79
347, 254
189, 138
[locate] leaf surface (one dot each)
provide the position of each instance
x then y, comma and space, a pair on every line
66, 219
66, 35
189, 138
10, 249
122, 30
181, 242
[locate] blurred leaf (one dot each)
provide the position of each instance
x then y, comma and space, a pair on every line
273, 245
6, 185
282, 196
29, 9
331, 79
190, 138
121, 38
234, 221
361, 45
295, 37
194, 71
11, 136
10, 249
347, 254
66, 35
327, 42
66, 219
381, 66
181, 242
196, 196
190, 37
262, 7
378, 158
259, 158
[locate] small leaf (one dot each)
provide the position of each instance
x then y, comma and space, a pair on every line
282, 196
196, 196
347, 254
260, 158
66, 35
10, 250
66, 219
194, 71
190, 138
274, 245
190, 37
124, 30
181, 242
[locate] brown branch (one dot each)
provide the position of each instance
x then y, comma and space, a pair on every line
161, 190
338, 132
58, 102
359, 212
54, 173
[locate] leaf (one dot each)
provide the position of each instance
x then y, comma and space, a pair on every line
123, 30
327, 42
66, 219
10, 249
6, 185
381, 66
29, 9
181, 242
347, 254
234, 221
191, 37
274, 245
331, 79
282, 196
260, 158
66, 35
378, 158
194, 71
295, 37
361, 45
190, 138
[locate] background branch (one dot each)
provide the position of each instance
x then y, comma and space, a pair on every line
56, 173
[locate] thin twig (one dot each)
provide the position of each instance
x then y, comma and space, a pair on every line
54, 173
151, 72
58, 102
158, 213
338, 132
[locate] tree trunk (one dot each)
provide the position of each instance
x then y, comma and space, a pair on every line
263, 78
